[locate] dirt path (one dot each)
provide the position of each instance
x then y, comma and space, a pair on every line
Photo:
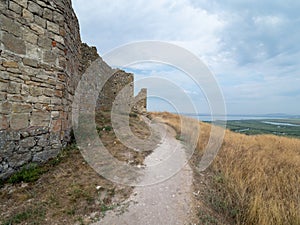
166, 202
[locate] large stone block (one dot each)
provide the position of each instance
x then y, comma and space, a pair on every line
48, 92
45, 3
60, 86
3, 96
15, 98
16, 77
21, 108
3, 5
35, 91
5, 107
22, 3
10, 64
25, 90
58, 93
10, 26
15, 71
11, 13
15, 7
48, 14
31, 99
50, 57
59, 39
58, 18
38, 29
40, 21
45, 43
27, 142
19, 121
52, 81
35, 8
4, 76
30, 36
45, 155
30, 72
3, 86
56, 125
18, 160
44, 99
27, 15
13, 44
4, 122
7, 148
33, 51
14, 88
44, 77
53, 27
40, 118
30, 62
43, 140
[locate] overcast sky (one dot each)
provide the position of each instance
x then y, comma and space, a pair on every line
252, 47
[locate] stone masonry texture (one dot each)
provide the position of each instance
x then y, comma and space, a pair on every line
41, 62
39, 66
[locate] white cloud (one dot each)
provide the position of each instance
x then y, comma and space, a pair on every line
268, 20
108, 24
251, 46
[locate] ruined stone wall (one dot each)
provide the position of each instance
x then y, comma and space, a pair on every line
39, 64
112, 88
117, 81
140, 105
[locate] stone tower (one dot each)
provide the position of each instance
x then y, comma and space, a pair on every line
39, 70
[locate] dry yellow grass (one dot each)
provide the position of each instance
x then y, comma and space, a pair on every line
259, 175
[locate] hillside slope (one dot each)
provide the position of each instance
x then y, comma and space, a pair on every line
253, 180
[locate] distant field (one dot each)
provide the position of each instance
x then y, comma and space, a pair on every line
281, 127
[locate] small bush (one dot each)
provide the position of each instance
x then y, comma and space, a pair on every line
29, 173
104, 128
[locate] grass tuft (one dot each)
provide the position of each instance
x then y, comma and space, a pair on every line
34, 215
29, 173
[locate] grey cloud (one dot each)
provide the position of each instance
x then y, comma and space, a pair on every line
244, 42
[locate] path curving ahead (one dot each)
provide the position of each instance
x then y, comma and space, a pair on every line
168, 202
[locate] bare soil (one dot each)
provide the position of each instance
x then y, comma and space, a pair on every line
70, 191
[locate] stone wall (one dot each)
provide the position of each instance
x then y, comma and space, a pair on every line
140, 101
41, 62
112, 88
40, 53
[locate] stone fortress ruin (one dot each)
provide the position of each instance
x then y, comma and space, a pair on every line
42, 61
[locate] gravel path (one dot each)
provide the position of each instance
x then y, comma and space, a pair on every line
168, 202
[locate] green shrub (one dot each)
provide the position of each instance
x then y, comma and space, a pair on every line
28, 173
